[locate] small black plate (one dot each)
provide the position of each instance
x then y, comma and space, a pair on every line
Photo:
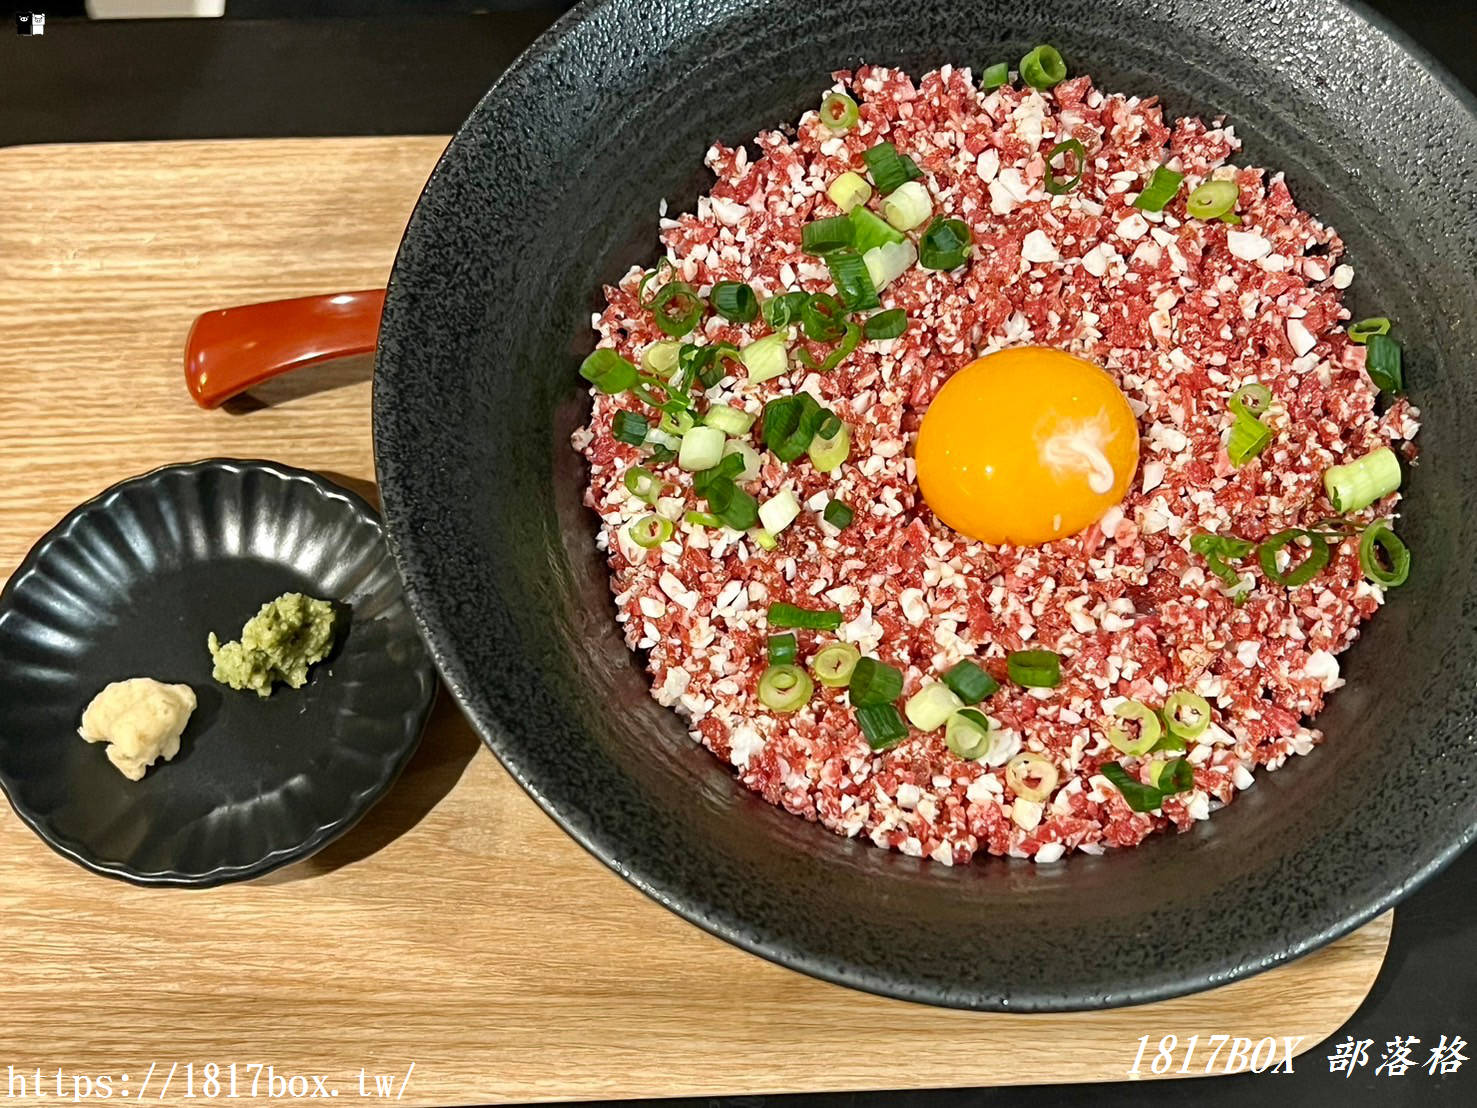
129, 585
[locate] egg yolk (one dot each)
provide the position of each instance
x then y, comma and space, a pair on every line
1026, 445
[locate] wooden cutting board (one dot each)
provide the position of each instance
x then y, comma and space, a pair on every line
456, 928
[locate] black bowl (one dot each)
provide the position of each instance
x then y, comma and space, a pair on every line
551, 188
129, 585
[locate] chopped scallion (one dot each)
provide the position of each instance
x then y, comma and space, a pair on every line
608, 371
730, 421
1249, 437
779, 511
930, 707
676, 307
1383, 557
970, 683
994, 76
785, 688
849, 191
829, 451
702, 448
1043, 68
907, 206
1039, 669
888, 262
823, 318
853, 283
881, 725
874, 682
1251, 400
735, 301
1212, 199
650, 531
1356, 485
809, 619
1375, 325
630, 427
945, 245
765, 358
660, 358
1140, 797
783, 310
822, 236
1382, 361
967, 734
1163, 187
839, 112
783, 648
834, 664
869, 231
838, 514
1059, 184
701, 519
888, 168
790, 423
643, 484
886, 325
1299, 573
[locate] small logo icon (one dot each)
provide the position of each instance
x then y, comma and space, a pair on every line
30, 23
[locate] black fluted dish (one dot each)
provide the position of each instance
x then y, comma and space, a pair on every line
129, 585
551, 189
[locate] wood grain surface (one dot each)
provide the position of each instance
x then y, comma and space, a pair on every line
456, 927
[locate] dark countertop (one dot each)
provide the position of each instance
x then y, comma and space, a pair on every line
401, 71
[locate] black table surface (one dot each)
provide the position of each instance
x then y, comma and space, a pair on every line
400, 67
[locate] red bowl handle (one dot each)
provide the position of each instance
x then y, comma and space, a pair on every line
232, 349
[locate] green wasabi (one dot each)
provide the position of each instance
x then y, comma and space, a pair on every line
279, 643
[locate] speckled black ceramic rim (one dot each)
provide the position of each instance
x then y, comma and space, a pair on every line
1165, 983
325, 833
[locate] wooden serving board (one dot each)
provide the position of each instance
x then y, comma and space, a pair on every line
456, 928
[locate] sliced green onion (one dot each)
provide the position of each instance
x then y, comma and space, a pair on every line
702, 448
907, 206
839, 112
1140, 797
869, 230
838, 514
661, 453
1304, 571
886, 325
1037, 669
1131, 741
677, 421
783, 648
734, 508
735, 301
765, 358
994, 76
765, 539
888, 168
945, 245
849, 339
785, 688
790, 423
874, 682
1059, 186
608, 371
1031, 776
930, 707
1383, 557
1186, 715
701, 519
826, 453
1382, 361
1215, 549
834, 664
823, 317
1249, 437
809, 619
881, 725
849, 191
967, 734
650, 531
970, 683
1356, 485
630, 427
1176, 776
1212, 199
643, 484
783, 310
853, 284
748, 456
1374, 325
888, 262
1250, 400
824, 235
677, 308
779, 511
660, 358
662, 265
730, 421
1043, 68
1163, 187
